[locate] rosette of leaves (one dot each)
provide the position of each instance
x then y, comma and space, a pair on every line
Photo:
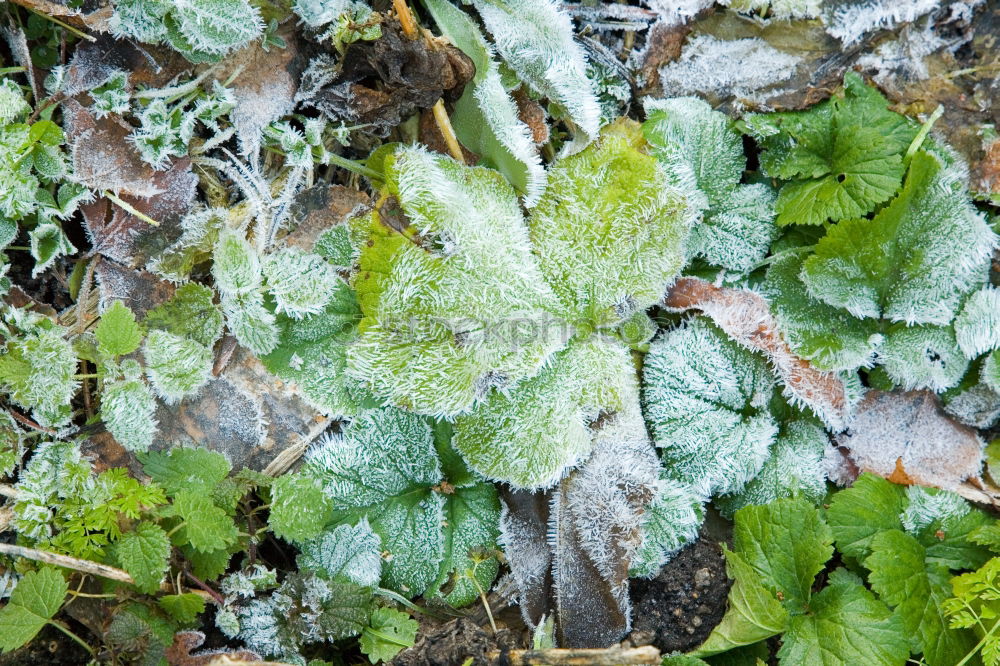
35, 187
202, 30
460, 297
703, 155
721, 427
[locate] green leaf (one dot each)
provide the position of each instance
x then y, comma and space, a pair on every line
472, 516
185, 608
915, 587
828, 336
206, 527
37, 597
176, 366
845, 155
299, 507
753, 613
48, 242
787, 543
923, 357
116, 332
144, 553
217, 26
948, 541
128, 411
845, 626
388, 632
353, 552
858, 513
189, 313
39, 373
913, 261
186, 468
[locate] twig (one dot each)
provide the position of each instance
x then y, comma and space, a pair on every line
24, 420
49, 17
406, 21
583, 657
447, 131
200, 583
129, 208
86, 566
8, 490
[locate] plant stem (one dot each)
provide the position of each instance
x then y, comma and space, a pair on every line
406, 22
922, 134
447, 131
974, 651
65, 26
12, 70
63, 628
354, 167
129, 208
400, 599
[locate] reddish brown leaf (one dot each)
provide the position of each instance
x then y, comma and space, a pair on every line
181, 651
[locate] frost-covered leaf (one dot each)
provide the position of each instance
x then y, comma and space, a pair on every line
706, 401
777, 9
843, 156
906, 437
753, 613
252, 324
144, 553
299, 507
111, 96
845, 625
746, 318
176, 366
12, 103
535, 38
236, 266
189, 313
38, 370
851, 20
353, 552
128, 411
216, 26
977, 326
471, 515
446, 281
913, 261
485, 117
991, 372
300, 283
670, 522
140, 19
828, 336
34, 601
787, 542
529, 436
609, 190
737, 229
795, 468
915, 589
117, 332
48, 242
388, 632
185, 468
919, 357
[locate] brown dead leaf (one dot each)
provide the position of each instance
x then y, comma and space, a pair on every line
180, 652
430, 135
317, 208
147, 65
139, 290
532, 114
907, 438
382, 82
663, 45
746, 318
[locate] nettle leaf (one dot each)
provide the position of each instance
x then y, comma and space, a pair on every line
856, 514
918, 357
301, 283
706, 401
845, 625
704, 157
144, 553
453, 300
140, 19
38, 370
535, 38
529, 436
787, 542
206, 528
384, 467
37, 597
388, 632
176, 366
753, 614
669, 522
915, 587
236, 266
485, 116
250, 322
977, 326
299, 507
47, 243
185, 608
117, 332
991, 371
351, 551
129, 413
795, 469
182, 468
189, 313
829, 336
111, 96
610, 190
913, 261
843, 156
12, 103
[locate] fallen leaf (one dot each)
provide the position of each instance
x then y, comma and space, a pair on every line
180, 652
745, 316
140, 291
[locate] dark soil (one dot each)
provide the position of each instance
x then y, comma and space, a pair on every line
460, 642
50, 647
677, 610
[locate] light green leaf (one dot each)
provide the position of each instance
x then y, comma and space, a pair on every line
858, 513
116, 332
206, 528
47, 242
176, 366
977, 326
913, 261
787, 543
388, 632
350, 551
37, 597
38, 370
217, 26
185, 608
300, 283
189, 313
186, 468
915, 587
299, 507
144, 553
753, 613
472, 516
669, 522
923, 357
845, 626
991, 371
